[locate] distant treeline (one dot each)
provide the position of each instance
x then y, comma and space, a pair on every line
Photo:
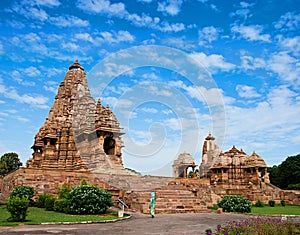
287, 174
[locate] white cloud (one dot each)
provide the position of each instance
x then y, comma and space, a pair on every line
243, 11
68, 21
118, 10
51, 86
32, 71
70, 46
179, 42
268, 122
31, 12
174, 124
286, 66
251, 32
288, 22
209, 96
16, 75
34, 100
245, 91
167, 27
170, 7
151, 76
213, 62
102, 6
22, 119
252, 63
84, 37
149, 110
291, 44
208, 35
48, 3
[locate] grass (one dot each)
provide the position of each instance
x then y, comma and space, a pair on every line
277, 210
267, 210
40, 215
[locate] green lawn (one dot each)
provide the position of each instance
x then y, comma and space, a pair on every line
39, 215
277, 210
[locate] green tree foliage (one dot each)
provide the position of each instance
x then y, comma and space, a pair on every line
23, 191
41, 200
287, 173
49, 203
89, 199
271, 203
64, 191
9, 162
235, 203
259, 203
17, 207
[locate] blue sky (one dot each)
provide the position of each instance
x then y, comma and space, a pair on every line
248, 49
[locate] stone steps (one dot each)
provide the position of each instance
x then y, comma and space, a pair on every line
169, 199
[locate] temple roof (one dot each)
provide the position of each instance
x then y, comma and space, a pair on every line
255, 160
76, 65
184, 159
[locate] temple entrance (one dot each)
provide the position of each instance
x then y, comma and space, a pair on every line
109, 146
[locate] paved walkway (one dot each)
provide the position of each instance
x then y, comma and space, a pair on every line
162, 224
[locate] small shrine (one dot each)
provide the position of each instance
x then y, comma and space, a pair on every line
182, 164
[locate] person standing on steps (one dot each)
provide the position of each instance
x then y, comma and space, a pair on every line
152, 204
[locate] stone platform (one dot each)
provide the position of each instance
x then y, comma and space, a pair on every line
173, 195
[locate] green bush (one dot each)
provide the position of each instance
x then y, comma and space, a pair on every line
89, 199
282, 202
235, 203
64, 191
23, 191
40, 202
49, 203
17, 207
259, 203
61, 205
271, 203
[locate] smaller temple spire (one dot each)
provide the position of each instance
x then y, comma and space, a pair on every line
76, 65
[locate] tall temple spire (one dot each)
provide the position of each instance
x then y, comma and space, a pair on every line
76, 133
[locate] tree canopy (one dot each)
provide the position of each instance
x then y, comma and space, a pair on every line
9, 162
287, 174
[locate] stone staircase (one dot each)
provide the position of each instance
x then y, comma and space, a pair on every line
169, 199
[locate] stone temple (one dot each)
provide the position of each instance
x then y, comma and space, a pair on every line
82, 139
78, 134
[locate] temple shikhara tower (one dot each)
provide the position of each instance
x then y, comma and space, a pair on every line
78, 134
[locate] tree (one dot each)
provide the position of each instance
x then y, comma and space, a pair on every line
287, 173
9, 162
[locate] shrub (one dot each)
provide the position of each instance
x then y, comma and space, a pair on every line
61, 205
49, 203
235, 203
17, 207
282, 202
64, 191
259, 203
89, 199
271, 203
40, 202
23, 191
